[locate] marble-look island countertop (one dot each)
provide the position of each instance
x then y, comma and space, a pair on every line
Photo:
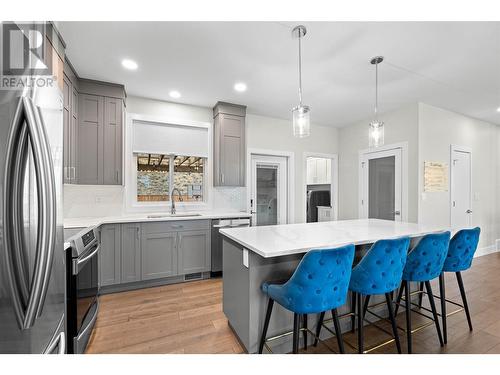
279, 240
84, 222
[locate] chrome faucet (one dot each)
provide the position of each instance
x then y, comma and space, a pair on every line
172, 210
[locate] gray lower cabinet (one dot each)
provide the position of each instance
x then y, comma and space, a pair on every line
130, 253
134, 252
194, 251
110, 255
159, 255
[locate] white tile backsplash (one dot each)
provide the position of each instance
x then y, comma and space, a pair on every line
93, 200
96, 200
230, 198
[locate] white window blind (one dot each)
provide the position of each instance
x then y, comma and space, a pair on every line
159, 138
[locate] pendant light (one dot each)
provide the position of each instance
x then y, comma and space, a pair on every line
301, 120
376, 127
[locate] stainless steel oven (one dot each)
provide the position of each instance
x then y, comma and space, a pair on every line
82, 289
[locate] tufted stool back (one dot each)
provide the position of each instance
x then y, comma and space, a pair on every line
463, 245
425, 261
380, 270
318, 284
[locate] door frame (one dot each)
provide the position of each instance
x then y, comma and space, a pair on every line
290, 177
334, 186
468, 150
404, 175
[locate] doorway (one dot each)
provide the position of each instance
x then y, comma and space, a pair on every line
269, 190
382, 183
460, 187
320, 187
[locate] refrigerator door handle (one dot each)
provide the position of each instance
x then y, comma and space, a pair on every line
47, 199
27, 128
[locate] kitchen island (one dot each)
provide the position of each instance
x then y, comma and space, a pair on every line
257, 254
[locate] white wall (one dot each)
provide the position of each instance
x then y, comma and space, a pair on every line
438, 129
276, 134
400, 126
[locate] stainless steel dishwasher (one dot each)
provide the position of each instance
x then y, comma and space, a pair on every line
216, 269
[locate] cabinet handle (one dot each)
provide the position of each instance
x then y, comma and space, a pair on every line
116, 178
137, 233
222, 178
73, 169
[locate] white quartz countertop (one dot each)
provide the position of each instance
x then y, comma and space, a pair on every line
84, 222
279, 240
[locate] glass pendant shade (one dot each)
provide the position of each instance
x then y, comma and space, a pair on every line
376, 133
301, 121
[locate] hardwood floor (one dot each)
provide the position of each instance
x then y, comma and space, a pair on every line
188, 318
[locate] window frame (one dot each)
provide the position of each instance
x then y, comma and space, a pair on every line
130, 174
171, 179
171, 182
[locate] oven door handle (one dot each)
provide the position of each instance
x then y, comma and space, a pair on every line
89, 326
78, 263
58, 341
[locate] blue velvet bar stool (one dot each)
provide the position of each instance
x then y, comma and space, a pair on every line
423, 264
462, 247
379, 273
318, 284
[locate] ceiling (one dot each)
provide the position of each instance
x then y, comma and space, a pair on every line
453, 65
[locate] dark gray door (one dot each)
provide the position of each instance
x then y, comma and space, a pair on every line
159, 255
112, 153
109, 261
90, 136
194, 251
131, 253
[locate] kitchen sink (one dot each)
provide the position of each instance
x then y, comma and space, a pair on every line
182, 214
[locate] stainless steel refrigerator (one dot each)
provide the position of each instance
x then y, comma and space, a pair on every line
32, 270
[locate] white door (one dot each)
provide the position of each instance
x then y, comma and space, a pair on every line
380, 188
269, 193
461, 212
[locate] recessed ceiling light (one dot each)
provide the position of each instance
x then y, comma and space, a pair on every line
498, 109
240, 86
129, 64
174, 94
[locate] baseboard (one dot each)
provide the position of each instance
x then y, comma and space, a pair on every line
487, 250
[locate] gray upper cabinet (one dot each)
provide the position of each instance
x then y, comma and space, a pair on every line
130, 253
93, 130
229, 144
70, 119
66, 129
90, 137
112, 154
194, 251
110, 255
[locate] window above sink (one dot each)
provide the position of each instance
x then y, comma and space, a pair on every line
155, 176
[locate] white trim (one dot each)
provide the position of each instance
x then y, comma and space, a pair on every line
486, 250
291, 176
168, 120
334, 186
129, 175
463, 149
404, 175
